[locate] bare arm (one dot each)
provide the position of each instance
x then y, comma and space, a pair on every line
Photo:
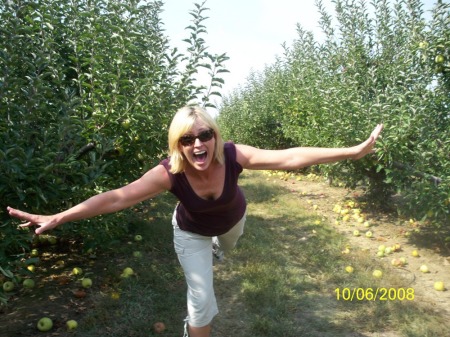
296, 158
148, 186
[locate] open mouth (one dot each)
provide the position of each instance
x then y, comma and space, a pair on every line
200, 157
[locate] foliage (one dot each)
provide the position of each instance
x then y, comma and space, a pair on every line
87, 89
378, 62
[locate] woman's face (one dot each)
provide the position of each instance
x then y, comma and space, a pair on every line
198, 151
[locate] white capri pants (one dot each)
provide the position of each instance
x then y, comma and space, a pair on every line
195, 255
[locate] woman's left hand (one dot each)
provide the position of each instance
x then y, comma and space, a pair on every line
367, 146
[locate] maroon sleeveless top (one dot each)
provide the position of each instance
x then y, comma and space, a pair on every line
209, 217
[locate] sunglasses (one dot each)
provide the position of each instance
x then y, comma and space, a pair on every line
204, 136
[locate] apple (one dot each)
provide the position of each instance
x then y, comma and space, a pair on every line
356, 232
369, 234
423, 44
138, 237
31, 268
415, 253
127, 272
397, 247
34, 252
28, 283
71, 325
403, 260
396, 262
380, 253
381, 248
8, 286
86, 282
115, 295
126, 124
377, 273
349, 269
424, 269
137, 254
388, 250
366, 224
159, 327
439, 286
439, 58
44, 324
77, 271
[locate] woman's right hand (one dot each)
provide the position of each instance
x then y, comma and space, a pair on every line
43, 222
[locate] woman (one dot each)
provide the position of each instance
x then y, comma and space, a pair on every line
202, 171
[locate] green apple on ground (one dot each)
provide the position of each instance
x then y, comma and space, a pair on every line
8, 286
44, 324
28, 283
424, 269
86, 282
369, 234
138, 237
34, 252
439, 286
137, 254
356, 232
77, 271
349, 269
127, 272
415, 253
377, 273
71, 325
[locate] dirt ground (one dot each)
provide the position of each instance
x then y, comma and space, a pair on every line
61, 291
388, 230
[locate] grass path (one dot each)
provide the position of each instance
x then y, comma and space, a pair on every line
280, 281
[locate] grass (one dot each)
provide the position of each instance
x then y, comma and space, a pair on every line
281, 280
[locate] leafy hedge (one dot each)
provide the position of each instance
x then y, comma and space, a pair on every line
379, 62
87, 90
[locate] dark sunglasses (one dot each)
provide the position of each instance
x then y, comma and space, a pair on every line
204, 136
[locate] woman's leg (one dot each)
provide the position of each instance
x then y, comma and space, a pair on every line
228, 240
194, 254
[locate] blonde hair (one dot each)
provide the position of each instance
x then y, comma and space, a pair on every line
182, 122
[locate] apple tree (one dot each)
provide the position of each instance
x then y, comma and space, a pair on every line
87, 90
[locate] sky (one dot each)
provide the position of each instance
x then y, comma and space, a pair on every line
250, 32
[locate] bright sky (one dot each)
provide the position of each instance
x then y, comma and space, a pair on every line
250, 32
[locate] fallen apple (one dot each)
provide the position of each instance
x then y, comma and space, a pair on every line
8, 286
349, 269
369, 234
415, 253
356, 232
31, 268
381, 248
77, 271
34, 252
28, 283
86, 282
439, 286
377, 273
424, 269
44, 324
159, 327
396, 262
71, 325
138, 237
137, 254
380, 253
128, 271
